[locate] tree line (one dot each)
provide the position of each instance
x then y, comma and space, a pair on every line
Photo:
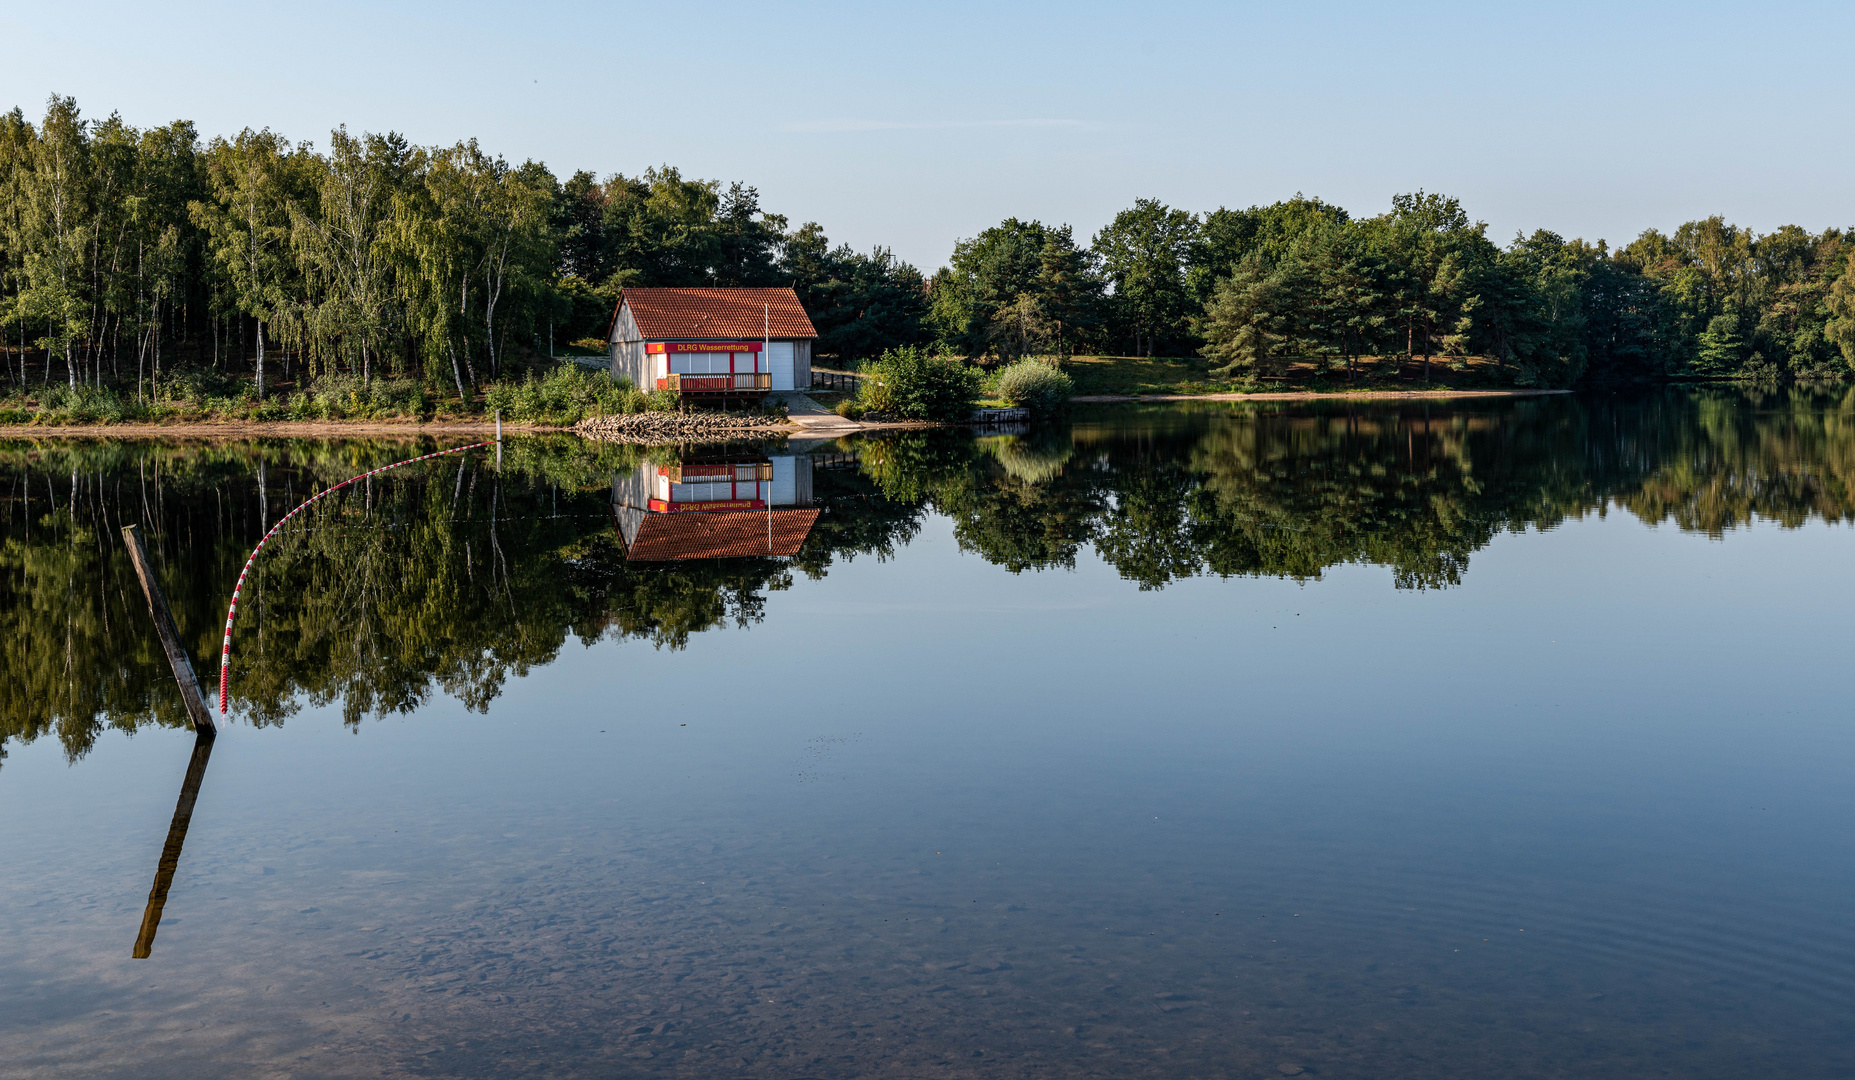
1302, 279
128, 255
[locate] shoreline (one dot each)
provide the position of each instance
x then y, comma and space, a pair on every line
245, 429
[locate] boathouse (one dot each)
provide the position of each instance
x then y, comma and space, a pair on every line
712, 342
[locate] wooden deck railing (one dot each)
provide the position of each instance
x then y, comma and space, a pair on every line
738, 382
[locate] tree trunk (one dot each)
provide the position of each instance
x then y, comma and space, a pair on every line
260, 359
458, 377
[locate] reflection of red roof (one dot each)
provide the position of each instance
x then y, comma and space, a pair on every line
664, 314
724, 535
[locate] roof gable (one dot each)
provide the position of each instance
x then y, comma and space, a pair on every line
716, 314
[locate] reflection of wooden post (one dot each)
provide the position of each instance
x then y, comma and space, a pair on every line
176, 836
170, 638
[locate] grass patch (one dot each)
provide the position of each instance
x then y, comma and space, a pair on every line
1146, 375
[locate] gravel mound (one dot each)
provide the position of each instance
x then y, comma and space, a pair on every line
654, 427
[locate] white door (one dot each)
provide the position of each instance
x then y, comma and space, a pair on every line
779, 362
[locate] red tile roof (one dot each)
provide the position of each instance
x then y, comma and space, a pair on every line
716, 314
720, 534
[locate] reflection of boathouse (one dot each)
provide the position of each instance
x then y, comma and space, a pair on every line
715, 506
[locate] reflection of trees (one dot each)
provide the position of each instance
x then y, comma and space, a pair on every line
452, 577
1261, 490
447, 576
1723, 457
858, 519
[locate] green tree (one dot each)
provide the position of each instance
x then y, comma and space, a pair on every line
1145, 254
1068, 291
1841, 308
987, 273
253, 183
1251, 317
342, 318
861, 304
1226, 237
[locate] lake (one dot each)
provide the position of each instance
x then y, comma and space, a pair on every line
1460, 739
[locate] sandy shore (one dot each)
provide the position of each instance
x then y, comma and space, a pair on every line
809, 426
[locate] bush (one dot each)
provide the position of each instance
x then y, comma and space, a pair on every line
1035, 385
908, 383
347, 397
86, 405
849, 409
197, 385
566, 395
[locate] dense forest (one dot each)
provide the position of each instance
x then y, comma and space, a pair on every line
132, 256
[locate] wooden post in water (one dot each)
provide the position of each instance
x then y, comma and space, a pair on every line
170, 638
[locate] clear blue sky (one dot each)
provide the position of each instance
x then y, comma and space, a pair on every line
913, 126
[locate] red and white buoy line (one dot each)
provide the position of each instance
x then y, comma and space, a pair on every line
231, 613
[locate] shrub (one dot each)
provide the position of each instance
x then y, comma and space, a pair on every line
86, 405
1035, 385
908, 383
196, 385
344, 397
849, 409
565, 395
663, 401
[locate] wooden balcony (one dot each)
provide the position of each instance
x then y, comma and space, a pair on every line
741, 382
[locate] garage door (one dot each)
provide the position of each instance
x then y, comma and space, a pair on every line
779, 360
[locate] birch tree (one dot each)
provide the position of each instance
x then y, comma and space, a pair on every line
55, 231
435, 239
247, 223
341, 248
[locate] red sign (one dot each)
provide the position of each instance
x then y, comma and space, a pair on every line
663, 507
701, 346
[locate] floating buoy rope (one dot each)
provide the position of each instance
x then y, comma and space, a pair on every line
231, 613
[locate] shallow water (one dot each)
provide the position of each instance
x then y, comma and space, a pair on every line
1507, 738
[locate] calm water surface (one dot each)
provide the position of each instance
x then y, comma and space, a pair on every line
1501, 739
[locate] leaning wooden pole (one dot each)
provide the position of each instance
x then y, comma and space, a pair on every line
170, 637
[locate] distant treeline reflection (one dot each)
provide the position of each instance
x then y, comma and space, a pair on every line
453, 576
